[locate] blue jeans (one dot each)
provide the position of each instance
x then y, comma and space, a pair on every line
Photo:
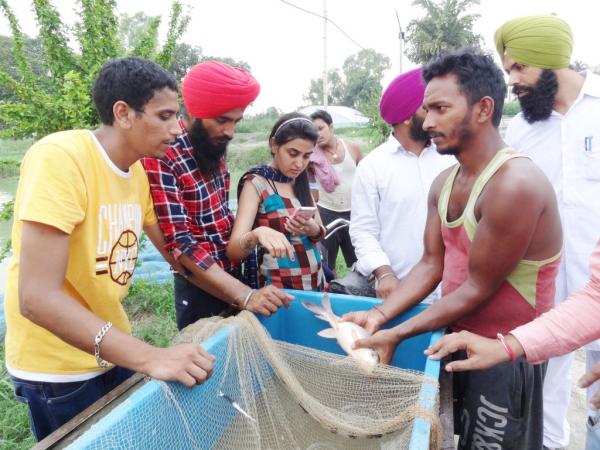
53, 404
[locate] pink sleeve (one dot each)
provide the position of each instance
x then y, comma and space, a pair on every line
572, 324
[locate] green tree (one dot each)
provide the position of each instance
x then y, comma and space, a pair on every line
133, 28
335, 94
271, 113
34, 53
59, 97
139, 36
363, 73
579, 66
184, 57
379, 130
360, 83
232, 62
446, 25
511, 108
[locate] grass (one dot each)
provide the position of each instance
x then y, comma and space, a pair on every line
14, 149
151, 309
241, 158
152, 312
14, 422
11, 153
254, 125
340, 265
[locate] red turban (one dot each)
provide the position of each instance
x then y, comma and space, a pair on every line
213, 88
403, 97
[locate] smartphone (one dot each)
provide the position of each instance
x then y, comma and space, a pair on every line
306, 212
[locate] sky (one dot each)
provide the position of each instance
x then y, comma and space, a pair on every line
284, 46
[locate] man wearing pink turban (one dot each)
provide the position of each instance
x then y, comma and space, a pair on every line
190, 188
389, 193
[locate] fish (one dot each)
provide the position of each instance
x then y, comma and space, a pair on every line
346, 334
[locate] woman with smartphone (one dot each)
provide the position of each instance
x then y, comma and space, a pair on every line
277, 214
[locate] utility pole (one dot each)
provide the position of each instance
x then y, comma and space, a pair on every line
401, 39
325, 90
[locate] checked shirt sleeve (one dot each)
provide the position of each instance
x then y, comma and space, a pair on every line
172, 215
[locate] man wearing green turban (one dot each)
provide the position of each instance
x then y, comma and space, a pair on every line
545, 42
559, 129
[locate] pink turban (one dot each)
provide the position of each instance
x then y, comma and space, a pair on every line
213, 88
403, 97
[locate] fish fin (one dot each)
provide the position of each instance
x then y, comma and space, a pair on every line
328, 333
317, 310
327, 306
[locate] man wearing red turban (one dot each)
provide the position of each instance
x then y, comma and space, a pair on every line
190, 188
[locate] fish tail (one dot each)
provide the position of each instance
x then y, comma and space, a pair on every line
317, 310
327, 307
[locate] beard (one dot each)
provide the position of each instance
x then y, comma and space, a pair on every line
538, 103
462, 134
207, 152
416, 131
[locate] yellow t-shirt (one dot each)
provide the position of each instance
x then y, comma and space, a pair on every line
68, 181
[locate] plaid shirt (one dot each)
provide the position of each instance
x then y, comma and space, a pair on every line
192, 208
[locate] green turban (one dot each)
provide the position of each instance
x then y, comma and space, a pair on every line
538, 41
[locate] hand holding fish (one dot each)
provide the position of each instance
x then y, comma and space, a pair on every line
384, 342
346, 333
370, 320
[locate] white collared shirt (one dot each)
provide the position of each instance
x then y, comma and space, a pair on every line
389, 205
567, 149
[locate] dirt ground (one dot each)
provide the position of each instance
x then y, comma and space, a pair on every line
578, 407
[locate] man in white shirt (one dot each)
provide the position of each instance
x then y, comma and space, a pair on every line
559, 129
391, 184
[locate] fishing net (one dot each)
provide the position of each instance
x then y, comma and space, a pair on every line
293, 397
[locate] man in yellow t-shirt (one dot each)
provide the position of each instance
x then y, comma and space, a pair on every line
82, 202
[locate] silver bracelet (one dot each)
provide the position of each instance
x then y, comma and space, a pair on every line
97, 340
248, 297
387, 274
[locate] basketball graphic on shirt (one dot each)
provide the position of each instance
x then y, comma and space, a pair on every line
123, 257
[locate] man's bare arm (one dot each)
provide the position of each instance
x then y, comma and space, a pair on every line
501, 241
427, 273
43, 300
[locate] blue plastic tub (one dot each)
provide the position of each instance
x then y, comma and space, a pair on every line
157, 432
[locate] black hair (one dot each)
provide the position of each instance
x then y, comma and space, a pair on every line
323, 115
285, 130
132, 80
477, 73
